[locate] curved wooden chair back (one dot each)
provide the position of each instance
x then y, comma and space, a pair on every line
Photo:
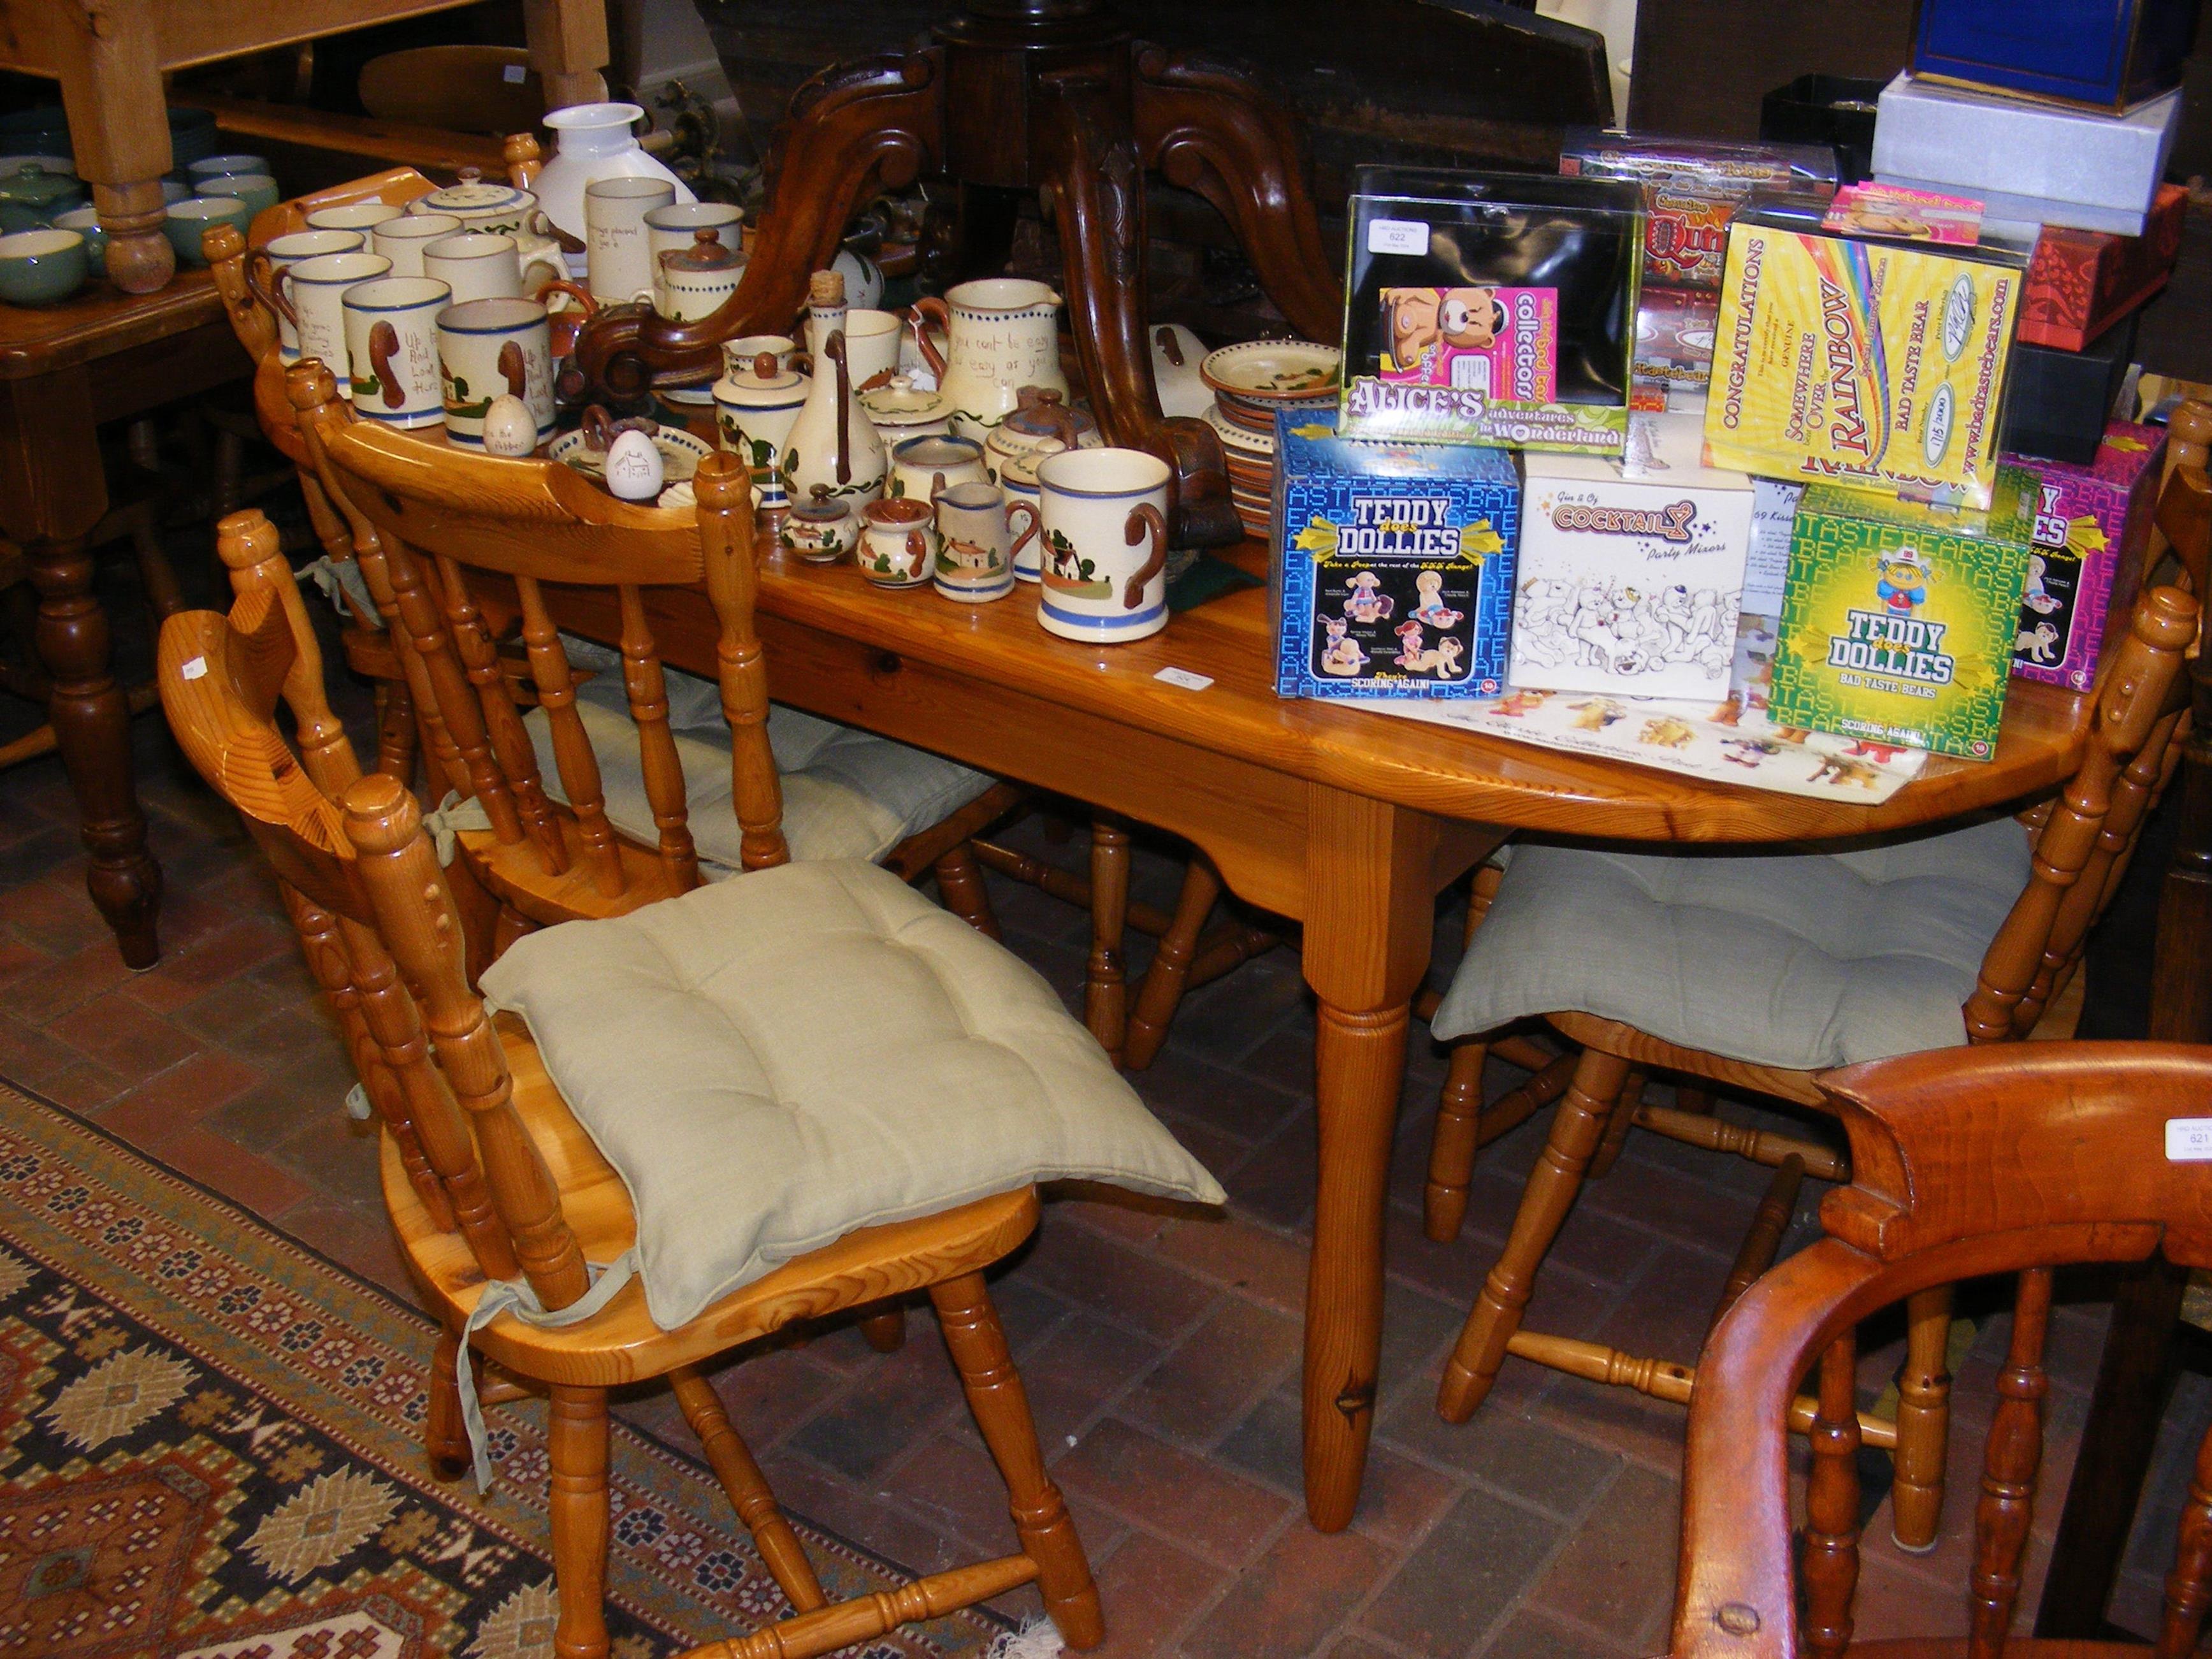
1965, 1162
363, 884
437, 521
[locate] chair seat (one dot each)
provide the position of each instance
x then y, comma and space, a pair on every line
816, 1049
622, 1344
847, 794
1799, 961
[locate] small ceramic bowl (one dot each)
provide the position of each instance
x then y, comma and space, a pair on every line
85, 222
39, 267
174, 191
225, 167
257, 190
193, 217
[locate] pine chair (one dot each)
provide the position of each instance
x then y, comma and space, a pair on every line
821, 1089
614, 792
1966, 1162
1756, 973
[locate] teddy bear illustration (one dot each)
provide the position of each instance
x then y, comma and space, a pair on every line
1666, 732
1342, 656
2036, 597
1901, 581
1409, 646
1429, 585
2037, 642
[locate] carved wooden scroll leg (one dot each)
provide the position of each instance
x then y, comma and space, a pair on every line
857, 128
1208, 126
1096, 184
92, 728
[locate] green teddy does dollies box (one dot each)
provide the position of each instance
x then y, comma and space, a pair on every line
1898, 619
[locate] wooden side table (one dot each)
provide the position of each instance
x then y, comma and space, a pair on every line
64, 371
109, 60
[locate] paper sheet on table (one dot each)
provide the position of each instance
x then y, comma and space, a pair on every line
1735, 742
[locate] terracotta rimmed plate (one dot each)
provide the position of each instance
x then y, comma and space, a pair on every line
1276, 371
1241, 438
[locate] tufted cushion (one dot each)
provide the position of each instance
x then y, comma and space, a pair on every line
1803, 961
847, 794
770, 1063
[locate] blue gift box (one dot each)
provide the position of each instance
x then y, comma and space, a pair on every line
1394, 574
2106, 54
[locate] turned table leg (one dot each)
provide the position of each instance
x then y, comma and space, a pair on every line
1368, 927
108, 59
92, 726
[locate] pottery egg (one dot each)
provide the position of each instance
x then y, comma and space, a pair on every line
634, 470
509, 428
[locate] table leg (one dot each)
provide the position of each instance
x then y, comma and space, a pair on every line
1368, 926
92, 726
108, 59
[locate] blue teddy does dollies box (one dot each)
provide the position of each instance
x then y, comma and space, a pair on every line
1394, 577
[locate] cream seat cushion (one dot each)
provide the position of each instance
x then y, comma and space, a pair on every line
770, 1063
847, 794
1803, 961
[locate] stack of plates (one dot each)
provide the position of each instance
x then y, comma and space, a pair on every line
1250, 382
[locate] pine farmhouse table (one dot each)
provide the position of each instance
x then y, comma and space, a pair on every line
1350, 822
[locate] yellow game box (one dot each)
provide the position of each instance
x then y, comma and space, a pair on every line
1876, 365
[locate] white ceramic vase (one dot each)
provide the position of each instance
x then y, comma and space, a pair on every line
594, 142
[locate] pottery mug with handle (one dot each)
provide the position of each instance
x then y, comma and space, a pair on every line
281, 253
1105, 544
402, 238
490, 349
392, 343
972, 545
618, 247
311, 296
480, 264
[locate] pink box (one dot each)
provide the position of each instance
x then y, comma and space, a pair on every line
2092, 525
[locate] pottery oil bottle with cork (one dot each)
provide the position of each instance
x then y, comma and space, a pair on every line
832, 442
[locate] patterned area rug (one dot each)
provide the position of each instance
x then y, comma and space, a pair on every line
208, 1450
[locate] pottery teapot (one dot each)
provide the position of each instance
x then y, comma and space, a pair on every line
999, 335
1040, 423
484, 205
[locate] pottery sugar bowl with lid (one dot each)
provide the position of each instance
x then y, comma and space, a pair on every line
754, 405
1041, 422
485, 204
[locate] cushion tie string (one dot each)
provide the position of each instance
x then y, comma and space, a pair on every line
514, 1296
451, 816
344, 587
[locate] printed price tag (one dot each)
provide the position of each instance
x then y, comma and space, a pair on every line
196, 669
2188, 1139
1190, 682
513, 74
1397, 236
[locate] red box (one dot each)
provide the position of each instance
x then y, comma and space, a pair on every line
2082, 282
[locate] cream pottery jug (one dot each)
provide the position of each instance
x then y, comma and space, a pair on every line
594, 142
832, 442
1000, 334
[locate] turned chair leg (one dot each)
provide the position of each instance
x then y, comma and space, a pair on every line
1591, 1100
1160, 992
1924, 1421
1105, 982
1001, 1406
1455, 1140
396, 747
444, 1440
732, 1460
960, 884
1618, 1125
576, 1445
885, 1331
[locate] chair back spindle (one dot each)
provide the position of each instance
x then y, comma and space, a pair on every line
377, 922
2010, 1460
249, 545
646, 685
2137, 695
1831, 1567
572, 745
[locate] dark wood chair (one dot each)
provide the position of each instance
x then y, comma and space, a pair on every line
1666, 923
1965, 1162
491, 1180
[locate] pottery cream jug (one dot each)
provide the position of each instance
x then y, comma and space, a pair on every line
832, 442
1000, 334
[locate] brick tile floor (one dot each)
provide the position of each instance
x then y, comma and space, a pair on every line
1161, 1348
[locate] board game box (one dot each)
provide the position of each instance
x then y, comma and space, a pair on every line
1881, 364
1394, 570
1490, 308
1631, 573
1693, 188
2092, 525
1899, 618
